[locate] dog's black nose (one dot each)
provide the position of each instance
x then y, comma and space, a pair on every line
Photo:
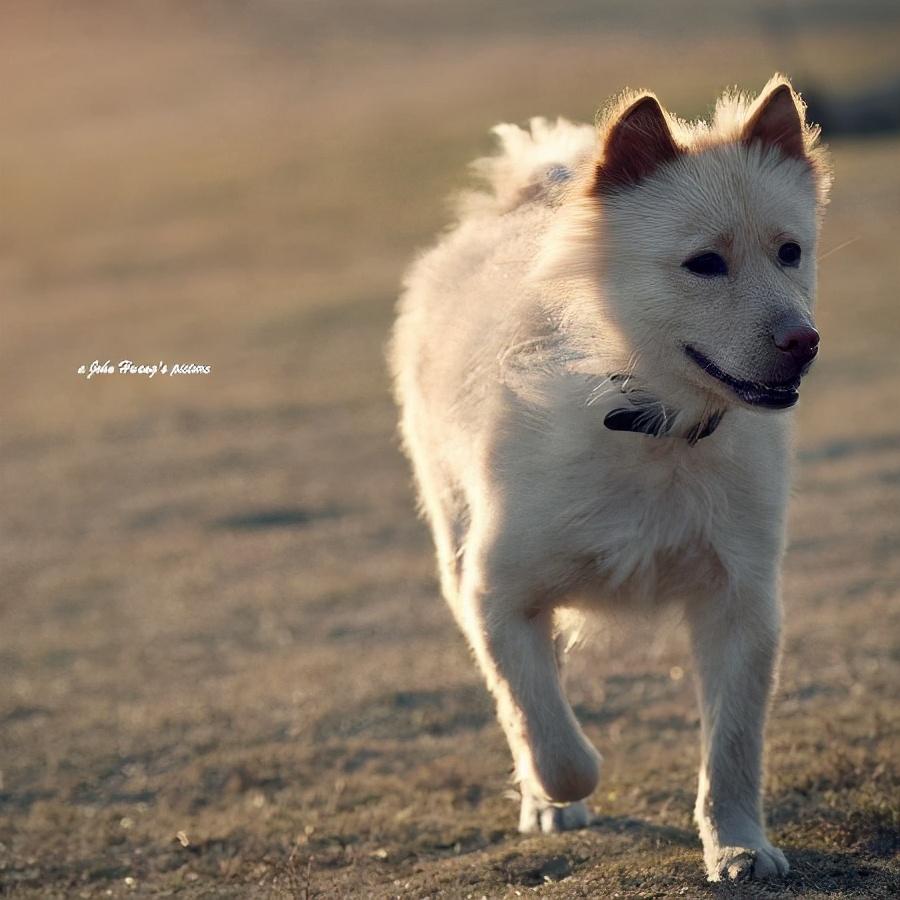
800, 341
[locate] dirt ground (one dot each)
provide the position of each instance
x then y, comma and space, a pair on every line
224, 667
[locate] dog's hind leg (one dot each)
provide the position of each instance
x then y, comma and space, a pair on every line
735, 645
444, 507
513, 642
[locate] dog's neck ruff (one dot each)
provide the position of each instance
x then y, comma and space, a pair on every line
647, 415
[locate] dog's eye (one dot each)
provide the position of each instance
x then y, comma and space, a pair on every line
789, 254
707, 264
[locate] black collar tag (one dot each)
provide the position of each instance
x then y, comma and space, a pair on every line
646, 415
652, 420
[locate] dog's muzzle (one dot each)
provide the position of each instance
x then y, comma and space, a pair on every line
773, 395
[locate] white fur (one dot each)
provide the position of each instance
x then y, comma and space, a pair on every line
507, 333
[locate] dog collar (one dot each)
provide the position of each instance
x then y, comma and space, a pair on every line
647, 415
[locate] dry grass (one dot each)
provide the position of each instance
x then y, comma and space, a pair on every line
224, 661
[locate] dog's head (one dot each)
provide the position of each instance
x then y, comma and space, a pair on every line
707, 243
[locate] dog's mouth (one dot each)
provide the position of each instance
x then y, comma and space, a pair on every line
781, 395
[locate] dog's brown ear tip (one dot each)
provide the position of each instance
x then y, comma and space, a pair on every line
778, 80
777, 119
782, 92
637, 141
644, 111
644, 101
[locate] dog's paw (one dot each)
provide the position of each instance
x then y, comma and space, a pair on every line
749, 863
540, 817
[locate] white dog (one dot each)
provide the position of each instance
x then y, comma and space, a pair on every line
593, 368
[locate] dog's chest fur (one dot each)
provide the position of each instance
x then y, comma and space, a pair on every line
650, 525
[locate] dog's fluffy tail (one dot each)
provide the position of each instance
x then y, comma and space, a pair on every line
533, 164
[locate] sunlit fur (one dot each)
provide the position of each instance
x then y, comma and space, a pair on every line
507, 335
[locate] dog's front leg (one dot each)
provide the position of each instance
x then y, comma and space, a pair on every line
554, 761
735, 641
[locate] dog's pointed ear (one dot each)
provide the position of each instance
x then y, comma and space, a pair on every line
637, 143
776, 119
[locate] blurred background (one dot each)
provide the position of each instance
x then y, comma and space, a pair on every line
224, 666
